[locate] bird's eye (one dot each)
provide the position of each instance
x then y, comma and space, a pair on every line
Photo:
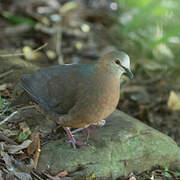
117, 62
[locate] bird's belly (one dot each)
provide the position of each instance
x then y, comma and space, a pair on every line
96, 111
106, 108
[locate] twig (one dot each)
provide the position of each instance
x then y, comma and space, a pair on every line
27, 107
11, 55
41, 47
6, 73
22, 54
36, 175
37, 154
9, 117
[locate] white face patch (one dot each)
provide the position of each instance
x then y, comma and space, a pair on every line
119, 61
125, 60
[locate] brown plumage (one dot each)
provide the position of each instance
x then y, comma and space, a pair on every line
80, 94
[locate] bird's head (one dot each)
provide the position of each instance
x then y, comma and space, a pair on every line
118, 61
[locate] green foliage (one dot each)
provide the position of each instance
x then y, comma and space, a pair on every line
3, 106
24, 135
171, 174
18, 19
150, 24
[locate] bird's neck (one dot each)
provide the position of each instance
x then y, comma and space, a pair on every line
109, 71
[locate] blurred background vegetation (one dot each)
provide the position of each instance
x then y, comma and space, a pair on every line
151, 29
146, 29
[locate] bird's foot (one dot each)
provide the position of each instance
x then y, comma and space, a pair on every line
79, 143
100, 123
72, 139
97, 124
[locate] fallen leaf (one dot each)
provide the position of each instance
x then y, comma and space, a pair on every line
34, 145
85, 28
51, 54
30, 54
36, 159
26, 132
174, 101
44, 20
62, 174
132, 178
79, 45
15, 149
23, 126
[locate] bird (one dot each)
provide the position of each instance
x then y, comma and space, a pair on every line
78, 95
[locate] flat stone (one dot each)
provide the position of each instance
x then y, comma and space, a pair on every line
124, 145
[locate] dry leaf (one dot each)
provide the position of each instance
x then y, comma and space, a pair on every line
30, 54
59, 176
51, 54
34, 145
62, 174
174, 101
36, 159
132, 178
23, 126
15, 149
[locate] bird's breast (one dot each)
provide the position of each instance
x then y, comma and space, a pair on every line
102, 97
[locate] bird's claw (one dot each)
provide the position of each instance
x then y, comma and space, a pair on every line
100, 123
74, 143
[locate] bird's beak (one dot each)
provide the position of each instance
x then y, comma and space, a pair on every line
129, 73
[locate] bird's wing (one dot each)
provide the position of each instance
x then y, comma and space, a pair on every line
54, 87
26, 83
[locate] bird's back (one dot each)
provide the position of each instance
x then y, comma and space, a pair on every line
55, 87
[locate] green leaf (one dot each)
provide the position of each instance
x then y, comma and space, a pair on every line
24, 135
177, 173
18, 19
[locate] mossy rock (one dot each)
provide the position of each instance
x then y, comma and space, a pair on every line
122, 146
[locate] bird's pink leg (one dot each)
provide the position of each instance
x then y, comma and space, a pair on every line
72, 139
